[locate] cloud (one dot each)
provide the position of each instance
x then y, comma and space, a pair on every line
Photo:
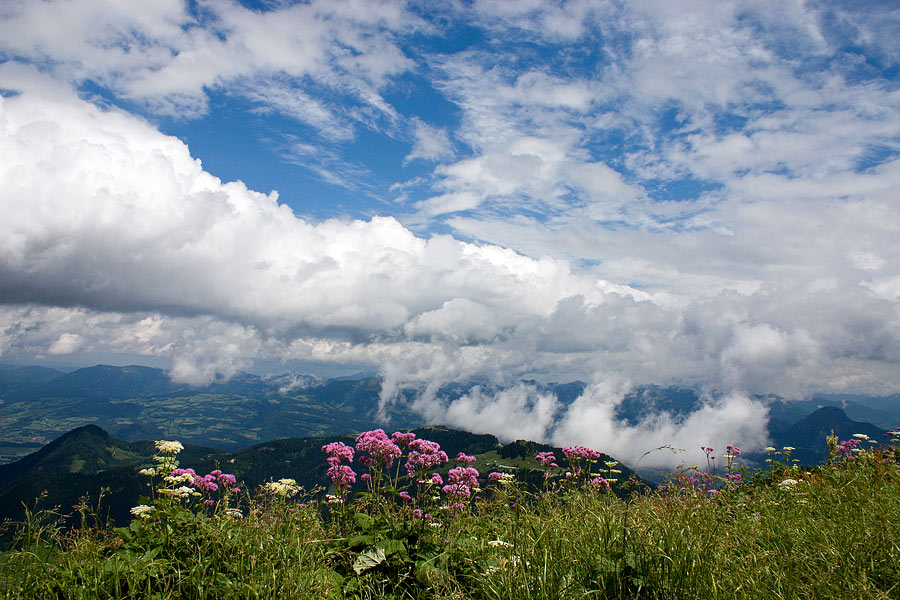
700, 194
66, 344
730, 419
431, 143
170, 56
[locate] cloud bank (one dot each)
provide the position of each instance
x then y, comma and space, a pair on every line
701, 195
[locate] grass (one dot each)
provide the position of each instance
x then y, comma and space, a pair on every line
833, 533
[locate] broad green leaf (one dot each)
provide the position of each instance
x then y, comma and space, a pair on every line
368, 559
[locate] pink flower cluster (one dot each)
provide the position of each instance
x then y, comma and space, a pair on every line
403, 439
461, 481
342, 476
465, 458
733, 450
575, 455
207, 483
581, 453
495, 477
382, 451
547, 459
338, 451
599, 484
846, 447
424, 455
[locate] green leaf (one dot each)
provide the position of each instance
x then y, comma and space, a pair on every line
392, 547
368, 559
363, 520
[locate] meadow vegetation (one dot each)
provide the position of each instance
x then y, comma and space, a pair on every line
431, 526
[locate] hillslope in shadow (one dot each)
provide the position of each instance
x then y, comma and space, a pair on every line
87, 460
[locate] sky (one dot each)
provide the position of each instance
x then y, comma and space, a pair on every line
697, 193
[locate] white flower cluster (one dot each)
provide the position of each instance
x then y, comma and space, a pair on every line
284, 488
169, 447
143, 511
179, 492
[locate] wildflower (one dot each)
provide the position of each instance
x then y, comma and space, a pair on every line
436, 479
342, 476
417, 513
379, 446
787, 484
143, 511
500, 543
405, 496
861, 436
402, 439
168, 447
546, 458
770, 449
226, 478
151, 472
465, 458
338, 450
424, 455
234, 513
285, 488
578, 454
502, 478
599, 484
788, 448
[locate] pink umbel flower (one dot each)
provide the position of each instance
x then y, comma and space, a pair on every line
379, 447
547, 459
405, 496
465, 458
225, 478
494, 476
342, 476
423, 456
461, 482
580, 459
436, 479
599, 484
339, 451
402, 439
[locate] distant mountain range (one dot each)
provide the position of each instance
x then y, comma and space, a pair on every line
133, 403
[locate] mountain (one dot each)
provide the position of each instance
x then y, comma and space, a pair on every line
808, 434
18, 380
134, 403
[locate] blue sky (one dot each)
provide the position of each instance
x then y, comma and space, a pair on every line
695, 193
